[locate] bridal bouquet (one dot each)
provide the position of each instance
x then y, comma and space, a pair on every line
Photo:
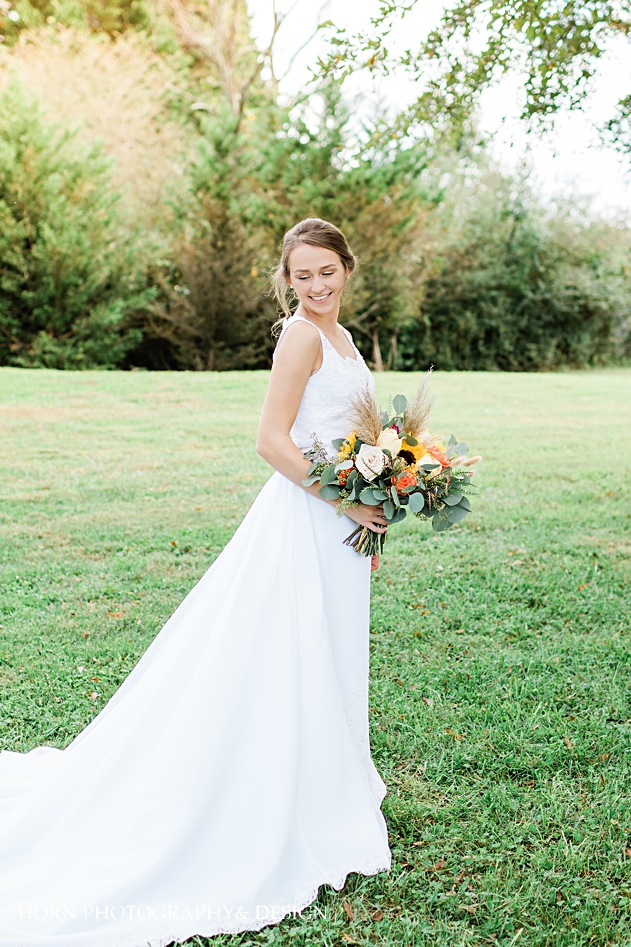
391, 459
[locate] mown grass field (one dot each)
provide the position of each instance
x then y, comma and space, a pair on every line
501, 651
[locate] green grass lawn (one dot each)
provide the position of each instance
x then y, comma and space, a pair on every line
500, 698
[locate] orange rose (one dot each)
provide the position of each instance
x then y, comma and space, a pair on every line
438, 455
405, 481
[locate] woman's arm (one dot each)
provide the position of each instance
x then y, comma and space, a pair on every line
297, 355
294, 361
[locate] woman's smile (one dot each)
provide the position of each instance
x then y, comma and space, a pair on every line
321, 298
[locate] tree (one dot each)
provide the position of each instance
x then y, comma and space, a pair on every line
517, 288
556, 45
68, 277
112, 17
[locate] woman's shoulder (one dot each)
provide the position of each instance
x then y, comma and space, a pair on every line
298, 334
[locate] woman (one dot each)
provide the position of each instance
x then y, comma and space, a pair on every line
230, 774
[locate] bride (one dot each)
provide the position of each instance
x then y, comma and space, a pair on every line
230, 775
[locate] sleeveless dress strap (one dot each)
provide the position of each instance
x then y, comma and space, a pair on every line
294, 318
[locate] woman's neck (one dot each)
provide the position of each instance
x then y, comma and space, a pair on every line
328, 322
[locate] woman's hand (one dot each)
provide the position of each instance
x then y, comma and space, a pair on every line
374, 563
370, 516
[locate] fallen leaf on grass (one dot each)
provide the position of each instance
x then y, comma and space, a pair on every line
583, 586
378, 916
605, 757
469, 908
568, 744
627, 852
428, 701
349, 939
456, 736
439, 864
116, 614
350, 914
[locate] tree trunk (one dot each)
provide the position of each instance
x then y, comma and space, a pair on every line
376, 351
391, 364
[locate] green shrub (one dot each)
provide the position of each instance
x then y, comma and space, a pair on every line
517, 289
68, 278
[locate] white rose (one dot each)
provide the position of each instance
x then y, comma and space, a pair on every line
390, 440
370, 461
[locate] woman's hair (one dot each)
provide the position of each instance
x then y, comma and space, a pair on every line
316, 233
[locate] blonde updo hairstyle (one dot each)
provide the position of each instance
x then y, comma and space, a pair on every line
316, 233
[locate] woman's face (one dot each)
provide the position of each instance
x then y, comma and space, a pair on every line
318, 277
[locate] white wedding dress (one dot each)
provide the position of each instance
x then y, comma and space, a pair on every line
230, 775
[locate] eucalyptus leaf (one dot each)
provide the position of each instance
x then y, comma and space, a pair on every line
457, 513
330, 491
453, 499
328, 474
345, 465
384, 418
399, 403
388, 510
440, 524
395, 496
416, 502
399, 515
337, 443
461, 449
367, 496
309, 481
452, 441
464, 503
380, 496
410, 441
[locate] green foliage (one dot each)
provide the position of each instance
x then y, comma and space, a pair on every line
66, 282
520, 290
111, 17
556, 45
210, 313
499, 284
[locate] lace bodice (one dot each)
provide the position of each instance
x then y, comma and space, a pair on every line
326, 402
